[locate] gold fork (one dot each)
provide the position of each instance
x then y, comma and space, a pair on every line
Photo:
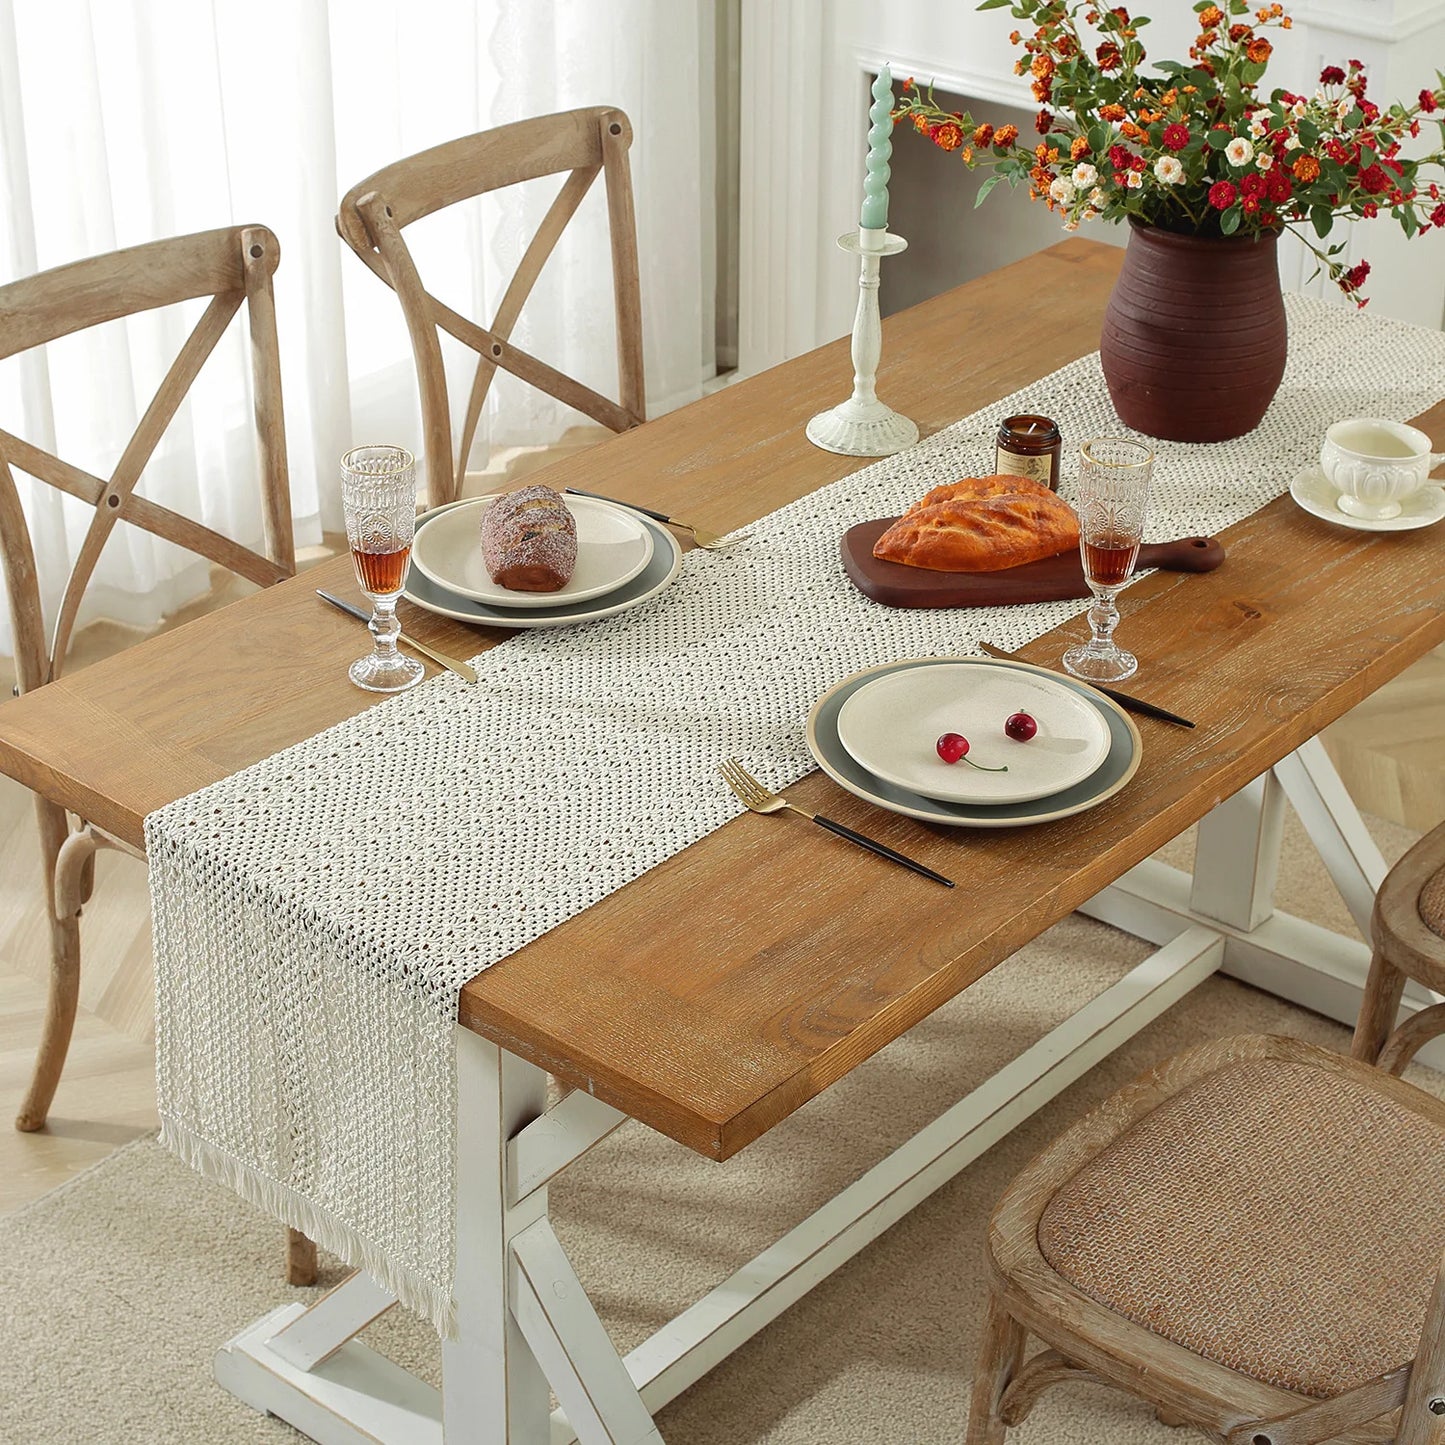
755, 797
711, 541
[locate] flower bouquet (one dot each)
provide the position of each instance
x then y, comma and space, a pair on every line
1195, 147
1208, 171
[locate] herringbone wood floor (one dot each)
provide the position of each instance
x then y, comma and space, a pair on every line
1388, 751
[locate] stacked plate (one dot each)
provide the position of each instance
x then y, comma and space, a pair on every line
623, 558
875, 734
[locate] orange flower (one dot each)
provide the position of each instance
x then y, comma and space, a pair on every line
1239, 32
1169, 97
1211, 16
1259, 50
1078, 148
1131, 130
1306, 168
967, 155
1014, 37
1005, 135
1191, 90
1112, 112
920, 122
948, 136
1042, 66
983, 135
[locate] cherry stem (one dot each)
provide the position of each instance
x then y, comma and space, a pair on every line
982, 768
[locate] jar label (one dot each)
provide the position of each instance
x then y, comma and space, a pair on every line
1036, 469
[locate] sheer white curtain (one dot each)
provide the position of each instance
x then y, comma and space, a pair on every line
122, 121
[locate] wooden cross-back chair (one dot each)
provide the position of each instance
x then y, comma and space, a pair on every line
374, 213
1249, 1238
232, 267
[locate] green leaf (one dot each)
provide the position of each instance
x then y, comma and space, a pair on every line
1229, 221
1216, 140
1099, 137
1409, 220
1309, 133
994, 4
1322, 218
1367, 156
1174, 67
986, 187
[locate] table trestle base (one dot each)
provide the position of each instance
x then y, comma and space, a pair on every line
524, 1320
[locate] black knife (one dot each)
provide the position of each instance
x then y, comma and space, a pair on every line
1124, 699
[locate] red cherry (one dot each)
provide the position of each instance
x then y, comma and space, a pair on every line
1021, 727
951, 747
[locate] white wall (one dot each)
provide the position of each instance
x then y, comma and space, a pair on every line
805, 71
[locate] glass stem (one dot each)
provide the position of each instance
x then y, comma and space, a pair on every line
385, 629
1103, 618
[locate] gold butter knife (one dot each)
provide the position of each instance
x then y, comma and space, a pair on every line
463, 670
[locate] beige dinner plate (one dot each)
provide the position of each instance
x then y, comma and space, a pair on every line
613, 547
1119, 765
891, 724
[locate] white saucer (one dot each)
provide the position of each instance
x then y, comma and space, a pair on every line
1319, 497
613, 547
891, 723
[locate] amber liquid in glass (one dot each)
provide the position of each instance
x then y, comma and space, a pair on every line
381, 573
1108, 560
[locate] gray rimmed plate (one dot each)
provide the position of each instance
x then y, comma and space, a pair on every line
1120, 764
660, 572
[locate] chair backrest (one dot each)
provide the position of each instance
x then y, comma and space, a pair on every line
230, 266
374, 213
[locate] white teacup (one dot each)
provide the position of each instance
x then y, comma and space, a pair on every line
1374, 465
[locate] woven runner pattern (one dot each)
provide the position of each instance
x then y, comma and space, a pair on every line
316, 915
1279, 1220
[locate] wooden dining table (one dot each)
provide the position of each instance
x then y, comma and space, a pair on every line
803, 972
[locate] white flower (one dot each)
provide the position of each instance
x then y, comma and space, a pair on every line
1071, 225
1134, 180
1084, 175
1298, 109
1098, 197
1089, 214
1291, 142
1263, 161
1239, 152
1169, 170
1061, 191
1343, 108
1258, 126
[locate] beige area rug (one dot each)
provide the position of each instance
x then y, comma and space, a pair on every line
116, 1288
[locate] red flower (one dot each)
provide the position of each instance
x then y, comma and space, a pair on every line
1332, 75
1437, 216
1043, 122
1253, 185
1278, 186
1118, 157
1176, 136
1240, 32
1109, 56
1428, 103
1222, 195
1356, 276
983, 135
1336, 151
1374, 179
1250, 205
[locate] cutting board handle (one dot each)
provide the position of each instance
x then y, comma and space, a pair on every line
1188, 554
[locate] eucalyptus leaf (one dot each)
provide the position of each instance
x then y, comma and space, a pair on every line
1229, 221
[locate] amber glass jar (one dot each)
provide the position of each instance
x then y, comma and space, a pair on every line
1030, 446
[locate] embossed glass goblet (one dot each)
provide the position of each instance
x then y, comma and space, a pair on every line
378, 494
1114, 476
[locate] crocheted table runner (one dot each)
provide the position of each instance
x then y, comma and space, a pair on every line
317, 914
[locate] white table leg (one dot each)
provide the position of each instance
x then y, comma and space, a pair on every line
493, 1389
1236, 858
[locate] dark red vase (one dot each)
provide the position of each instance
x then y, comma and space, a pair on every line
1194, 337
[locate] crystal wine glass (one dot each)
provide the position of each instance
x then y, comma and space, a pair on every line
378, 494
1114, 476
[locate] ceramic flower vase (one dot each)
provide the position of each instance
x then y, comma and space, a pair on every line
1194, 338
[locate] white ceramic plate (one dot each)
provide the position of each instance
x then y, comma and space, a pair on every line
1116, 770
1318, 496
613, 547
890, 726
660, 572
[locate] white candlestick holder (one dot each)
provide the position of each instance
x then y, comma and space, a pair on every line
863, 426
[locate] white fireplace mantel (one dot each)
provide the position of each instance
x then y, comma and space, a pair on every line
806, 65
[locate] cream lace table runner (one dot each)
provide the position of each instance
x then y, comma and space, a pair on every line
316, 914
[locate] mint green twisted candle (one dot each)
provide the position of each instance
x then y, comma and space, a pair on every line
874, 215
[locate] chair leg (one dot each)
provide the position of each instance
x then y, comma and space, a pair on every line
300, 1258
63, 890
1411, 1037
1000, 1354
1378, 1008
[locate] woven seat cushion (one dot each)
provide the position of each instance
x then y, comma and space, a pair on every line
1284, 1222
1432, 904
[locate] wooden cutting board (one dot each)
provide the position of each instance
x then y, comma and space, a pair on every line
1052, 579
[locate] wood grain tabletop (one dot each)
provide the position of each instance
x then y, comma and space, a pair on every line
723, 989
